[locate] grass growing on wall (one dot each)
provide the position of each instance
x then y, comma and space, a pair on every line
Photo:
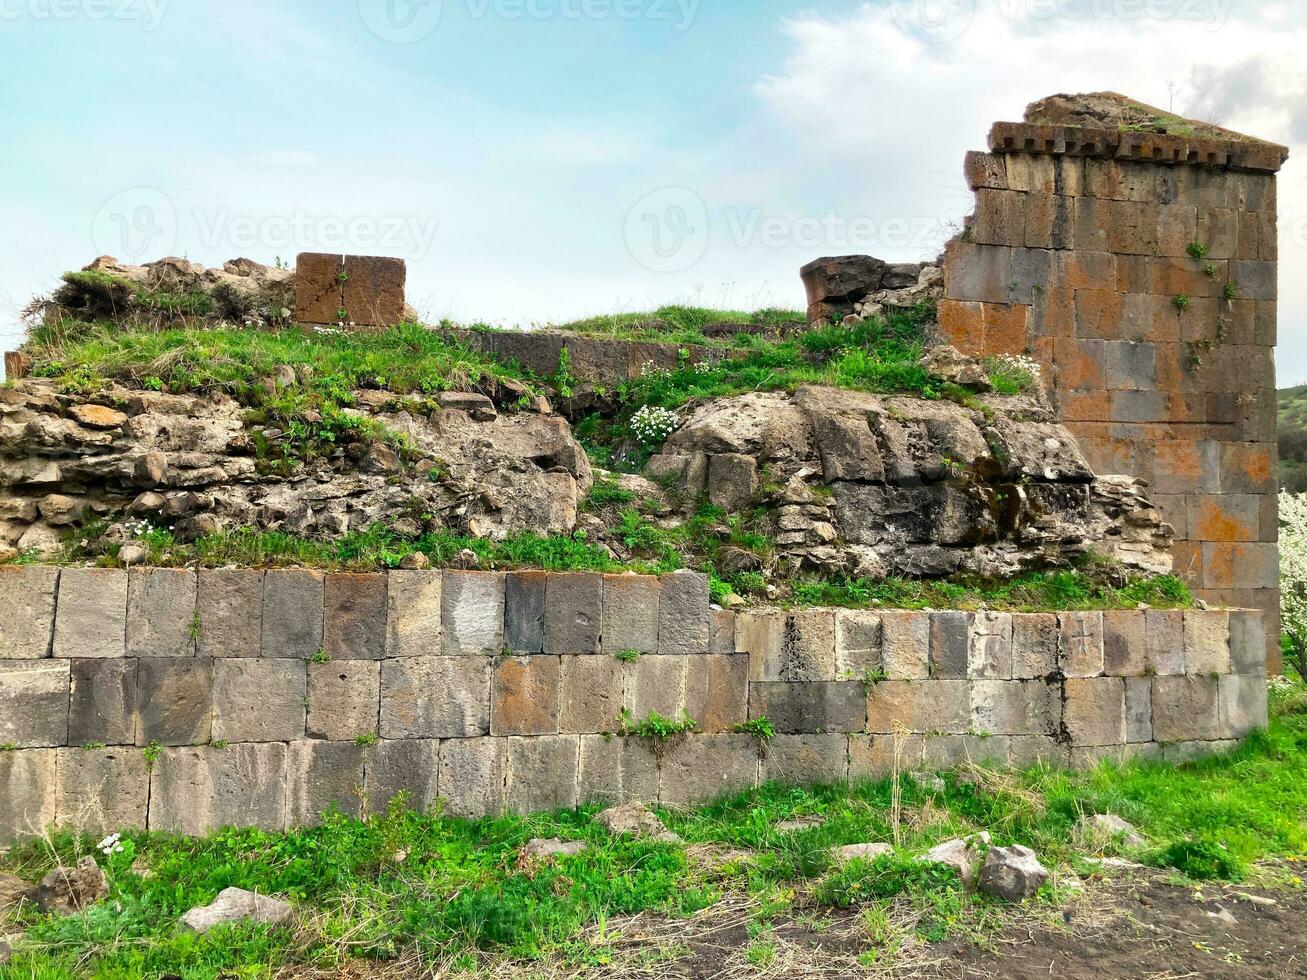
417, 892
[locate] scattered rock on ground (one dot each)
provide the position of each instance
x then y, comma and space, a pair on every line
1115, 864
929, 780
69, 890
635, 819
1012, 873
14, 891
133, 553
1103, 828
960, 853
237, 905
797, 824
867, 852
540, 850
1223, 916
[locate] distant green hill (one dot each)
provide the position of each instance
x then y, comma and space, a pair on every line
1293, 438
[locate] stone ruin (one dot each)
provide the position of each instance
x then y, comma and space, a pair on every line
1128, 253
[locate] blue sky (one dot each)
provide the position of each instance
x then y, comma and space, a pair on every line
537, 160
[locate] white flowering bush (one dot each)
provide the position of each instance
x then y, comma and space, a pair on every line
1293, 576
653, 424
652, 372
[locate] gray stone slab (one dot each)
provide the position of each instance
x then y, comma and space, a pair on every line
524, 611
573, 612
617, 769
161, 612
354, 616
102, 706
630, 617
805, 760
1081, 643
323, 777
810, 706
1034, 645
27, 596
1138, 709
717, 690
472, 616
592, 694
197, 789
34, 703
1186, 709
684, 624
258, 700
1243, 705
413, 613
344, 699
292, 612
102, 789
1001, 707
1248, 641
91, 617
540, 773
704, 767
435, 697
990, 651
472, 776
174, 700
229, 607
949, 635
408, 766
858, 642
656, 685
27, 792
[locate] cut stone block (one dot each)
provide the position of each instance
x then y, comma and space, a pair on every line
704, 767
1028, 751
657, 684
799, 646
258, 700
292, 612
1138, 709
717, 691
197, 789
229, 608
592, 694
34, 702
805, 760
102, 706
617, 770
344, 699
1243, 706
91, 619
919, 706
27, 596
1164, 641
1081, 643
472, 776
319, 288
630, 615
722, 638
1247, 641
878, 756
990, 648
27, 792
413, 611
102, 789
949, 641
524, 696
524, 611
540, 773
1094, 710
857, 644
435, 697
905, 645
810, 706
1185, 708
946, 751
1178, 753
354, 616
473, 613
373, 289
683, 613
1124, 643
174, 700
1206, 641
323, 777
161, 612
1015, 707
1034, 645
573, 612
409, 766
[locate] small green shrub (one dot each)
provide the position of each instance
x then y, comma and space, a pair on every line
1202, 860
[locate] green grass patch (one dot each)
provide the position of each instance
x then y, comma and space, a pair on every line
680, 324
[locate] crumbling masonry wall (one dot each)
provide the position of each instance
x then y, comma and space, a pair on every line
1139, 269
183, 701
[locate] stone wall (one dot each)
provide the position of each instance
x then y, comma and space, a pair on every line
1081, 253
184, 701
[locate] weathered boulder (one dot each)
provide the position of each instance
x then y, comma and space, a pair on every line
67, 891
1011, 873
541, 850
1100, 829
14, 891
866, 852
880, 485
961, 853
836, 284
238, 905
635, 819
